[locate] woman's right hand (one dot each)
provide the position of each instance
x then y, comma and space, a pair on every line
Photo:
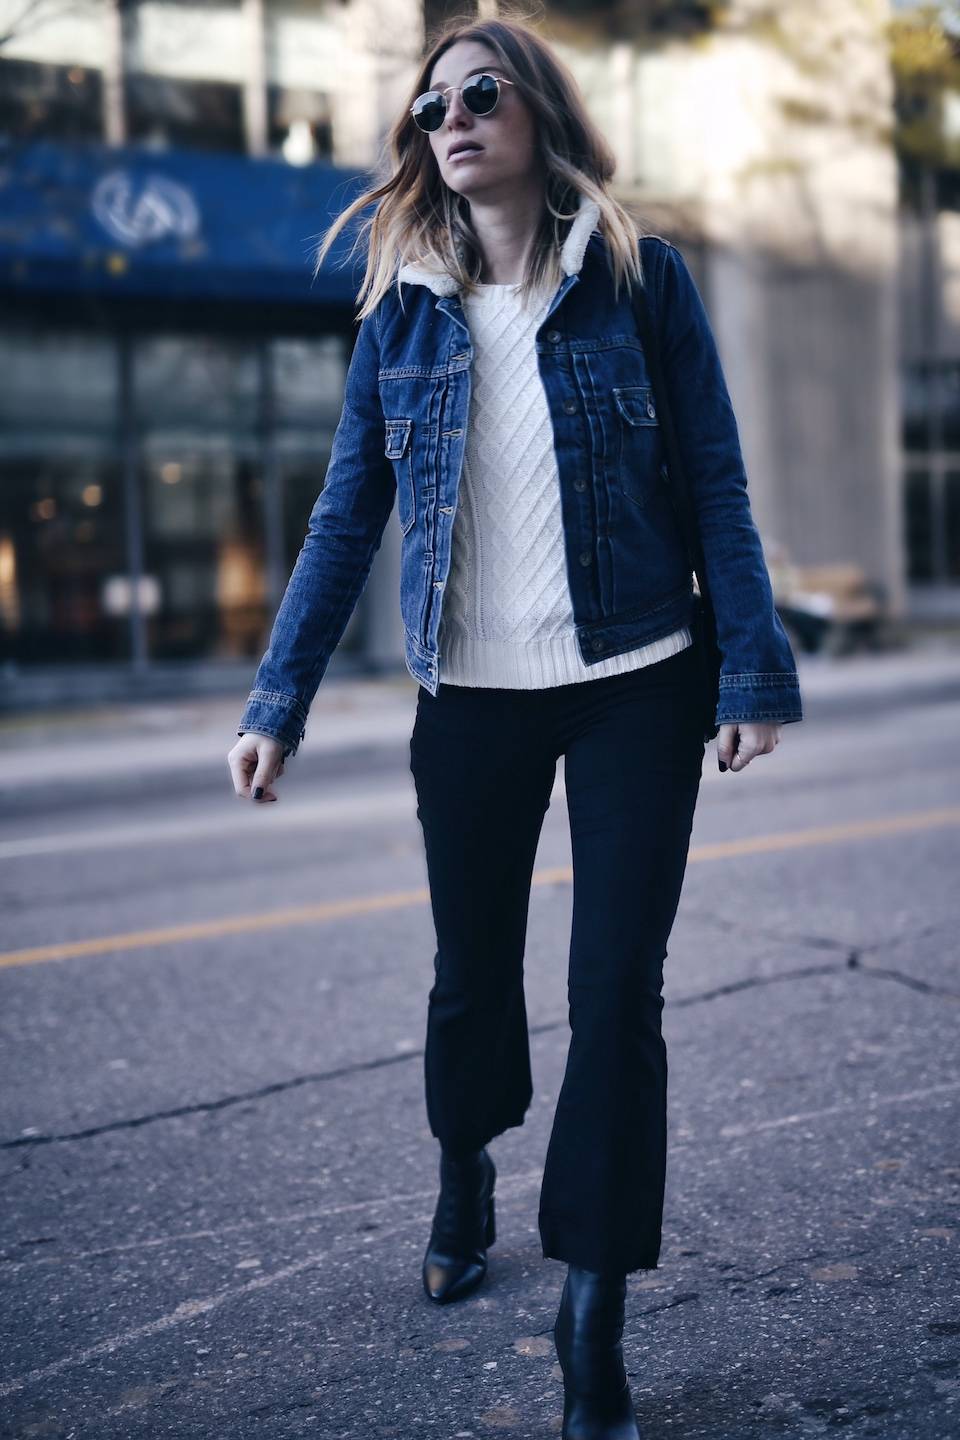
255, 762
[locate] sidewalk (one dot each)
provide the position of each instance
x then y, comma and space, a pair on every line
143, 747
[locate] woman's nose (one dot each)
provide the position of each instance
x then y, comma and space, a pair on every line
456, 110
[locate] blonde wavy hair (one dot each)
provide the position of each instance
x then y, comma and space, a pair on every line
419, 218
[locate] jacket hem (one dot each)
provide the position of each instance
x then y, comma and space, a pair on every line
273, 712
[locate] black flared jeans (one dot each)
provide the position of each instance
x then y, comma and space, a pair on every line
484, 764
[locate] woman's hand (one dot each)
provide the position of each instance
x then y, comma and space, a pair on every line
255, 762
754, 739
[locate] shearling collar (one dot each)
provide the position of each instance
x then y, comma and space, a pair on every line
441, 282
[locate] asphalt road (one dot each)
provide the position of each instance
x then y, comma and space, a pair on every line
217, 1176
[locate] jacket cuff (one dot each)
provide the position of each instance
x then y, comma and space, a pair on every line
761, 695
271, 712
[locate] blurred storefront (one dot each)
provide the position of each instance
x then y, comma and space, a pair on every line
172, 381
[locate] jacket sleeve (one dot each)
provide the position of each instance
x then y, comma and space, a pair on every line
344, 532
758, 676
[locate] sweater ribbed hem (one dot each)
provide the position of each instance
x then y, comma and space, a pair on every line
539, 664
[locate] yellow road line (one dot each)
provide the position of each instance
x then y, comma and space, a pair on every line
397, 899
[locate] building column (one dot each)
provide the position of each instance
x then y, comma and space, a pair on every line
114, 69
255, 78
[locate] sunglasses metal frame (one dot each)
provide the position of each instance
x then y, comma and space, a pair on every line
481, 115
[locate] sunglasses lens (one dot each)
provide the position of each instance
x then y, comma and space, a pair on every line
429, 110
481, 94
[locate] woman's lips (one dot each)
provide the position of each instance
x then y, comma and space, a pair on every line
465, 154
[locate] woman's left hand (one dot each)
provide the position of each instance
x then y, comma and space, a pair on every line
754, 739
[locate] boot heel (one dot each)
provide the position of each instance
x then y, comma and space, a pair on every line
491, 1231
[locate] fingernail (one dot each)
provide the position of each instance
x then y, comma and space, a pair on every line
258, 792
722, 765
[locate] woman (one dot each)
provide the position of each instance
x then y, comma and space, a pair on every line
498, 392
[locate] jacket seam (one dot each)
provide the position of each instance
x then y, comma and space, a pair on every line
760, 677
760, 715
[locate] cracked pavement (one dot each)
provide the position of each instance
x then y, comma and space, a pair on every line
218, 1179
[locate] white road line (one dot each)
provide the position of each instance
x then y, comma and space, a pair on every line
729, 1132
506, 1186
190, 1310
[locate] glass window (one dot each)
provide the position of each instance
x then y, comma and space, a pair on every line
196, 384
57, 385
62, 554
204, 550
62, 536
198, 427
197, 403
916, 407
50, 102
309, 376
948, 397
166, 111
299, 124
951, 524
919, 525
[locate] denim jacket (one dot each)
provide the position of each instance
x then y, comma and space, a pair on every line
400, 439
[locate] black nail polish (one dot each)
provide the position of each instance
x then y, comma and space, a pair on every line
722, 765
258, 792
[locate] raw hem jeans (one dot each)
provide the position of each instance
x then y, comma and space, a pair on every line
484, 764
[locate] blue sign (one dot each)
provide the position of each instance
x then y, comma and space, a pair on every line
178, 224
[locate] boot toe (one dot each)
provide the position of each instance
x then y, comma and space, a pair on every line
451, 1277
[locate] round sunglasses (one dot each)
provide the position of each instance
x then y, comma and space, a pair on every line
481, 95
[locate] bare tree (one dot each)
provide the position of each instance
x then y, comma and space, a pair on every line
28, 16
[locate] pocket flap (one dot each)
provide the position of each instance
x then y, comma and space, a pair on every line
397, 437
636, 404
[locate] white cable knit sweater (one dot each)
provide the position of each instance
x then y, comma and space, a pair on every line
507, 618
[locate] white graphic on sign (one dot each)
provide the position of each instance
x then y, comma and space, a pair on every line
141, 210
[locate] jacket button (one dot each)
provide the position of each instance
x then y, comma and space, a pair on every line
585, 557
569, 407
553, 336
597, 644
651, 408
579, 484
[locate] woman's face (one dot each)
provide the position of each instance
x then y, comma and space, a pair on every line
507, 157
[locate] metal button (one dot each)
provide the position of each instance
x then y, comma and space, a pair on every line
569, 407
651, 408
597, 644
579, 484
438, 584
553, 336
585, 557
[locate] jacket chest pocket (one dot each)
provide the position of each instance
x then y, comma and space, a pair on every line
399, 449
639, 449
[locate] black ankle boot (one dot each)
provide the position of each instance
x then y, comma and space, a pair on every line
588, 1334
463, 1227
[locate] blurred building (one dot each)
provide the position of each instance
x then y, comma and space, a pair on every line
930, 328
173, 378
172, 375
